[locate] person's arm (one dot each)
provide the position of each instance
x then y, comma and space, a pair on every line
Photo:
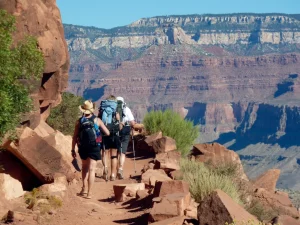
130, 117
74, 139
103, 127
120, 122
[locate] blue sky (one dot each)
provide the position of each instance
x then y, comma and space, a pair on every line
113, 13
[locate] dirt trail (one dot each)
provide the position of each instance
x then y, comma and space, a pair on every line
101, 209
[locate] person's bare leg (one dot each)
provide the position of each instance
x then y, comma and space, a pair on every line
105, 164
114, 162
91, 179
122, 160
84, 174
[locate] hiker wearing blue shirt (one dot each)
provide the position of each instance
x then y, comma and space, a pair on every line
87, 136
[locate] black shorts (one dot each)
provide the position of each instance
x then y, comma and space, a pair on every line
89, 152
124, 143
111, 142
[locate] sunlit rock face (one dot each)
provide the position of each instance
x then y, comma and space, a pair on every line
42, 20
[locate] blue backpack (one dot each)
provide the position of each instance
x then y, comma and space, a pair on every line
107, 113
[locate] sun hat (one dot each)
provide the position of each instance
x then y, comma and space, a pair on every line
88, 107
120, 99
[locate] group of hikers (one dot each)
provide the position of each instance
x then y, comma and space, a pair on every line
100, 137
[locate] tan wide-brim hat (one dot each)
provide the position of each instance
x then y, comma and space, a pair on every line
88, 107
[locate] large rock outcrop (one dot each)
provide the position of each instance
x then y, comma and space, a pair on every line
218, 209
217, 154
42, 20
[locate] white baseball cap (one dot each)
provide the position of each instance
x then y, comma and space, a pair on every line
120, 99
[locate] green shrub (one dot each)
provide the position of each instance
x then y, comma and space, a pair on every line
64, 116
204, 181
171, 124
18, 62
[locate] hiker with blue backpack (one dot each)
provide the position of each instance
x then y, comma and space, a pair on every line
127, 121
87, 135
111, 118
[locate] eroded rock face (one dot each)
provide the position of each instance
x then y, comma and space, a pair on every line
268, 180
44, 156
42, 20
217, 154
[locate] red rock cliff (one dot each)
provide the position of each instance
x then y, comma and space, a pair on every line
42, 19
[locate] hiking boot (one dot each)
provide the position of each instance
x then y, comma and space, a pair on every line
112, 178
120, 174
105, 174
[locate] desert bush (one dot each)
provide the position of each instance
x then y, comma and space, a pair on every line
229, 169
18, 63
171, 124
64, 116
52, 202
204, 181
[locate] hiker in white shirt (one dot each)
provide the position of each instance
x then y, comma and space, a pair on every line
127, 122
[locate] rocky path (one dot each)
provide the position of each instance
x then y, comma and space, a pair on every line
101, 209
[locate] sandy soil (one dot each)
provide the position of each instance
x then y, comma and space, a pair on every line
101, 209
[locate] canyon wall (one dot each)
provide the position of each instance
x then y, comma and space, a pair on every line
236, 76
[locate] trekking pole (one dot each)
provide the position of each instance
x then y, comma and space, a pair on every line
132, 139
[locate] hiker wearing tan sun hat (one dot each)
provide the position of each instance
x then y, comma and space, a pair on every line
87, 135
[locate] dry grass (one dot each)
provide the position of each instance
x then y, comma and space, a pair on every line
204, 181
43, 201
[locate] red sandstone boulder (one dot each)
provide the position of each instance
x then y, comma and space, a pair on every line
276, 201
218, 208
58, 187
41, 157
151, 176
171, 205
164, 144
168, 161
144, 143
163, 188
268, 180
127, 190
217, 154
150, 139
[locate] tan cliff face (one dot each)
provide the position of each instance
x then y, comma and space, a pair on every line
198, 30
42, 20
212, 37
230, 18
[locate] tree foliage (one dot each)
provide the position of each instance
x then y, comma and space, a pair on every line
64, 116
172, 125
17, 62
